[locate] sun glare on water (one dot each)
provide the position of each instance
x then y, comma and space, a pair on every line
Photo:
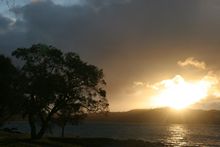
178, 93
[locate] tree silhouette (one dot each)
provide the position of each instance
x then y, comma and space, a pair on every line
9, 95
54, 83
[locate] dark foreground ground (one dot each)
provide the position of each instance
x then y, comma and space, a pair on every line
22, 140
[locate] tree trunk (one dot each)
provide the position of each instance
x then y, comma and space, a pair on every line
32, 126
34, 134
44, 126
63, 127
42, 130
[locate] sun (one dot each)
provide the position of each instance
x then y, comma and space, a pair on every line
178, 93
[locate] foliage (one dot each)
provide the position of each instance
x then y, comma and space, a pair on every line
54, 82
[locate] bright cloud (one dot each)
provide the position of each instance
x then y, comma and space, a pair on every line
138, 83
179, 92
192, 62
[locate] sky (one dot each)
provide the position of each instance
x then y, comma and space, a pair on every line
139, 44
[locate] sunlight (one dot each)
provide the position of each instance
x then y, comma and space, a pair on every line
178, 133
178, 93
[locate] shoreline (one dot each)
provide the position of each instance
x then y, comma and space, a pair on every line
23, 139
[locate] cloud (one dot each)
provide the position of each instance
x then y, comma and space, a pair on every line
205, 90
36, 1
138, 83
5, 24
178, 92
132, 40
192, 62
209, 76
166, 83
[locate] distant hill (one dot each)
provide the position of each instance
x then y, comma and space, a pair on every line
160, 115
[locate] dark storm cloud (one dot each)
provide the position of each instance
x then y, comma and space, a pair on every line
132, 40
4, 24
113, 24
11, 35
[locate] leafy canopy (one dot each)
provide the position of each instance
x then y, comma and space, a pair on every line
54, 82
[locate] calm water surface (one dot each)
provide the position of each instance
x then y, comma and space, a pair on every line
170, 134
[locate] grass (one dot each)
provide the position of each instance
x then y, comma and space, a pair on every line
23, 140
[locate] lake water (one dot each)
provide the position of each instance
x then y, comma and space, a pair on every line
169, 134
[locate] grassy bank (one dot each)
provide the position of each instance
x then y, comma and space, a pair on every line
13, 139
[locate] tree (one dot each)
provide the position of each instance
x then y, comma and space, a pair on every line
55, 82
9, 95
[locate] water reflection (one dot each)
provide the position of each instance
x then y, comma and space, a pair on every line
177, 135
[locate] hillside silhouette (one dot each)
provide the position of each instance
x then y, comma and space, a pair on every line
160, 115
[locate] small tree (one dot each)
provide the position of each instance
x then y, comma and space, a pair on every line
54, 83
